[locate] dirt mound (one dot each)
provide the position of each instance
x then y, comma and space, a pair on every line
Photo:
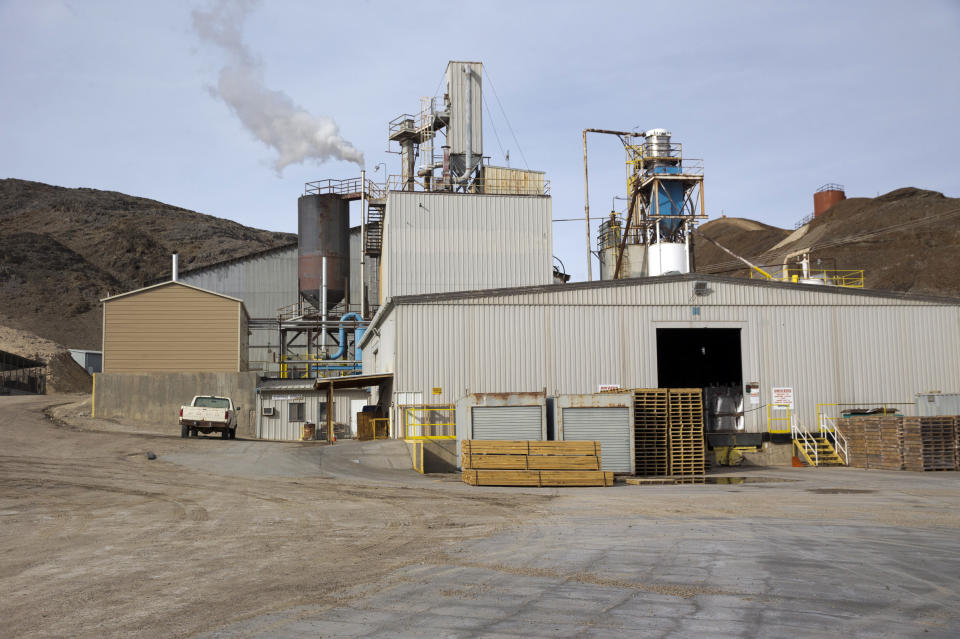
64, 375
61, 250
743, 237
905, 240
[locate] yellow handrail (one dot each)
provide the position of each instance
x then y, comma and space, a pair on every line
771, 419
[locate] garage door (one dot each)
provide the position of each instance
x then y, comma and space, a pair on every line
508, 422
610, 426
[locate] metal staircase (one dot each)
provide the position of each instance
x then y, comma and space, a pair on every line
374, 245
819, 450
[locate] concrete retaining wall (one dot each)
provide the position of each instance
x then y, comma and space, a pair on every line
155, 398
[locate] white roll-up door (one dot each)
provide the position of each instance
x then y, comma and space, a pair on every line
507, 422
611, 426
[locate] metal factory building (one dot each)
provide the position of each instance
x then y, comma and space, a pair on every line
792, 346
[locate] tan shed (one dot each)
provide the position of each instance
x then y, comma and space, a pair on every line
174, 327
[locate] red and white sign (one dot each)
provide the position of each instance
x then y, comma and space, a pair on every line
782, 398
606, 388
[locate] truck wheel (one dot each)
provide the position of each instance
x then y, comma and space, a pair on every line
194, 432
184, 431
225, 434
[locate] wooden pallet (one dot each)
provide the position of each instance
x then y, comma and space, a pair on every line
650, 422
538, 478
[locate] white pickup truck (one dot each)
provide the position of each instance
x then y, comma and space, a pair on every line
208, 414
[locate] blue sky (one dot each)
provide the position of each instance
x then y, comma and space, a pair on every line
776, 97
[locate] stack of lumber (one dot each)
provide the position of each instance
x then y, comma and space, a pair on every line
650, 428
687, 450
929, 443
532, 463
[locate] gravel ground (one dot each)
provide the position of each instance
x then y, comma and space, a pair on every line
244, 538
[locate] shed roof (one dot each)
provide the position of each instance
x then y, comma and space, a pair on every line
177, 283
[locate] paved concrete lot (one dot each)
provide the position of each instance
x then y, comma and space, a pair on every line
253, 539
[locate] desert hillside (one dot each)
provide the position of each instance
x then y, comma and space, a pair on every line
906, 240
63, 249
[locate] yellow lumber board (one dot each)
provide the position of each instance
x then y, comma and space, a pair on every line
565, 448
494, 447
563, 462
502, 462
507, 477
572, 478
469, 477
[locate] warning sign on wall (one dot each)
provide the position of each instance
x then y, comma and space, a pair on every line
781, 398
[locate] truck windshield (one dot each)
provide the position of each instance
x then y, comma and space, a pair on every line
211, 402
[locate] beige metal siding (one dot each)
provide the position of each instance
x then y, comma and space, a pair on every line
507, 181
828, 347
171, 328
440, 242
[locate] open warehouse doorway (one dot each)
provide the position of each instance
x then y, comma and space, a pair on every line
707, 358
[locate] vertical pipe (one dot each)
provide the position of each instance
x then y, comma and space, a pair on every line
323, 305
686, 242
176, 268
469, 159
445, 176
586, 209
363, 243
330, 413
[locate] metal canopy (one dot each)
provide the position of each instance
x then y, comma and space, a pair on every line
352, 381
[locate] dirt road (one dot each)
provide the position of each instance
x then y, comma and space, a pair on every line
256, 539
99, 541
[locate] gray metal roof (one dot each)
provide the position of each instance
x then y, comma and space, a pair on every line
665, 279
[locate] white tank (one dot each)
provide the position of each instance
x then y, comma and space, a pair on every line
667, 257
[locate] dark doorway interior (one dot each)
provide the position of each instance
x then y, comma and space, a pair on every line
707, 358
699, 357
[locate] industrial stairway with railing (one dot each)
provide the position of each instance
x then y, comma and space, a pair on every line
818, 449
374, 244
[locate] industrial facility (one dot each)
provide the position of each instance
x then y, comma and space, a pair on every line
443, 312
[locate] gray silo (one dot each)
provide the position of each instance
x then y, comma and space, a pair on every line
323, 228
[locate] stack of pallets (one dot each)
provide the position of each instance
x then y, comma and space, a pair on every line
687, 454
888, 428
929, 443
650, 428
852, 429
532, 463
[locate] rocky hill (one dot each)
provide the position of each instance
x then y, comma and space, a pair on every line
906, 240
61, 250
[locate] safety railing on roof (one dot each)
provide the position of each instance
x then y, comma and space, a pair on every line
847, 278
521, 183
347, 187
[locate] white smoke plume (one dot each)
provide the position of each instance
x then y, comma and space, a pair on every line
271, 116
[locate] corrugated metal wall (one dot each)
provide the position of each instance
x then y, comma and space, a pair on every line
279, 425
171, 328
827, 346
441, 242
267, 282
